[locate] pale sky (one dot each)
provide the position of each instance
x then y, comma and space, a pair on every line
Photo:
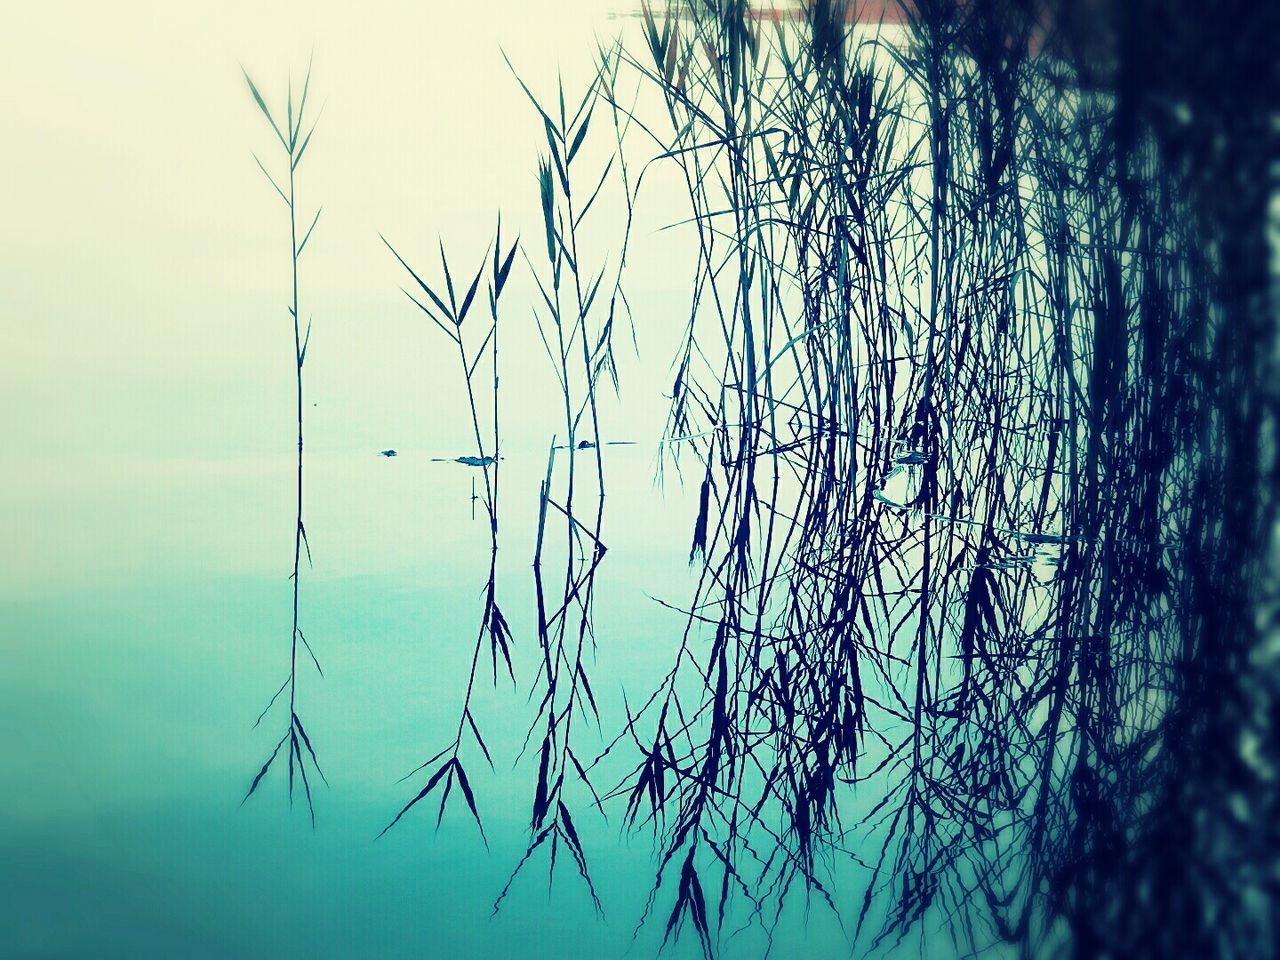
143, 258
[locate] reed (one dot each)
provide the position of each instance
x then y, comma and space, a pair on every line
449, 314
581, 297
292, 140
971, 349
935, 303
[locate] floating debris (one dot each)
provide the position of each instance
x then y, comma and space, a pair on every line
467, 461
1045, 538
879, 495
900, 487
591, 444
386, 453
1017, 562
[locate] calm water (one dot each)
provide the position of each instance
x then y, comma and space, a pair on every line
130, 712
147, 489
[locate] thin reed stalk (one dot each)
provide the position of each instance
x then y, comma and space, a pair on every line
293, 143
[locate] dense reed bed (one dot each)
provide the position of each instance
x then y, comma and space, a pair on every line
952, 381
975, 388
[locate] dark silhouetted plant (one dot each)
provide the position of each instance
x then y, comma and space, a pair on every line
449, 313
293, 140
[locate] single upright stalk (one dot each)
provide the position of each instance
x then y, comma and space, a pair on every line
297, 352
293, 144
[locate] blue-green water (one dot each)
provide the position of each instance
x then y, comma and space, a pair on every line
129, 719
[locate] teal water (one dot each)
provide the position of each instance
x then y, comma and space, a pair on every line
129, 722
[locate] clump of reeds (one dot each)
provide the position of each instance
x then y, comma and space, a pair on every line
582, 305
293, 139
449, 314
943, 293
581, 297
961, 383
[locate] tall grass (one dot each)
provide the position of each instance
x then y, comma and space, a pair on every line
580, 292
293, 139
937, 378
972, 349
449, 313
